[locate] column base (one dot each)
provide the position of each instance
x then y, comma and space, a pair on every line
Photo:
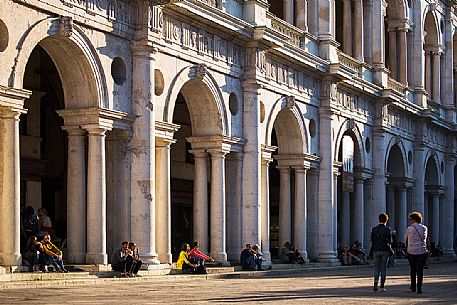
267, 256
76, 258
304, 254
97, 258
449, 253
11, 259
149, 260
165, 258
327, 257
220, 257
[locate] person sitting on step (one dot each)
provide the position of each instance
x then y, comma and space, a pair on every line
183, 260
119, 258
133, 261
53, 254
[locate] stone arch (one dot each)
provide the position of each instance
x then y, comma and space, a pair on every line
430, 26
350, 128
195, 81
432, 168
397, 9
285, 116
77, 62
396, 141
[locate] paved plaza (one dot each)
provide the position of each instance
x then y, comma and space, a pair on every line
345, 286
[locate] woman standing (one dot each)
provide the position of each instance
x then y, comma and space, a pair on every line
416, 237
381, 240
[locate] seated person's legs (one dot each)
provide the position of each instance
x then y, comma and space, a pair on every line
136, 266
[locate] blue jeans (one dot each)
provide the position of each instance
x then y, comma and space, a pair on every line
380, 265
58, 264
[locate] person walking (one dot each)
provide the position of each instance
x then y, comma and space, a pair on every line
381, 241
416, 241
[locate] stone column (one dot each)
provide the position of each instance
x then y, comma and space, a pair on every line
312, 212
347, 27
200, 204
218, 233
334, 216
436, 76
448, 207
368, 213
96, 196
76, 195
233, 192
428, 73
367, 34
10, 252
285, 212
377, 30
403, 56
393, 53
426, 214
358, 214
251, 165
345, 219
402, 214
301, 14
391, 206
379, 176
300, 215
163, 196
288, 7
327, 204
358, 30
143, 219
435, 231
419, 176
265, 210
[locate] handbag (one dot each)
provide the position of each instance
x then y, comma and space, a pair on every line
427, 252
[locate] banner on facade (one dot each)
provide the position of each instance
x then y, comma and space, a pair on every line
348, 182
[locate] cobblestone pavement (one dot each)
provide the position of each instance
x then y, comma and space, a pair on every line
347, 286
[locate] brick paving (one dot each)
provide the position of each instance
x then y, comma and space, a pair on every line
342, 286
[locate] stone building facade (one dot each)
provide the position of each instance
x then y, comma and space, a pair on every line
227, 122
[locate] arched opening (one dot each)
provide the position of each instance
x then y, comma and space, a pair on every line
433, 53
286, 183
396, 27
43, 148
397, 192
433, 198
350, 208
276, 8
196, 160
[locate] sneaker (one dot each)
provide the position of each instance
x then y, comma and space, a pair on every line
375, 286
65, 271
420, 292
413, 289
36, 269
382, 289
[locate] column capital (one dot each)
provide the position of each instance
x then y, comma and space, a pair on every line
74, 130
300, 169
235, 156
283, 169
96, 129
199, 153
7, 112
218, 153
13, 98
164, 142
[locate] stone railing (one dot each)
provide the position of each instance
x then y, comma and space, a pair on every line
434, 107
294, 34
212, 3
349, 62
396, 86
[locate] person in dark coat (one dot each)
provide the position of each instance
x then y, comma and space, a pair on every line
381, 241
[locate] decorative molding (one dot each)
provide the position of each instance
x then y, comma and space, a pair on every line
66, 26
200, 71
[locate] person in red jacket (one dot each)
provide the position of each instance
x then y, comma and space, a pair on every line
195, 255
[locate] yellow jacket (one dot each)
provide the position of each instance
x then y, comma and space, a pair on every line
183, 258
50, 249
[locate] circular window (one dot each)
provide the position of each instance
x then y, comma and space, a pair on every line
4, 36
233, 104
410, 157
262, 112
368, 145
118, 70
159, 82
312, 128
442, 167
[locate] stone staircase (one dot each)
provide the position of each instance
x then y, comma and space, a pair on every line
92, 274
